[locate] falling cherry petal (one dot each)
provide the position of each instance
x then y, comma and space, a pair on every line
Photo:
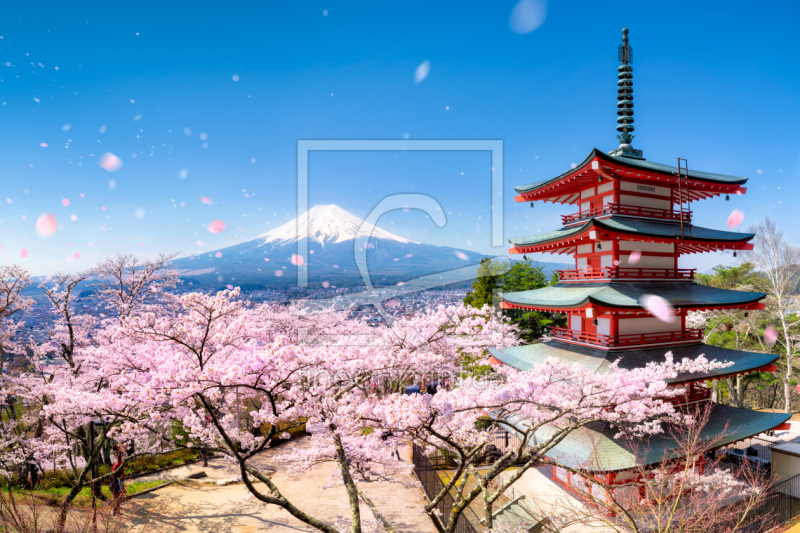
77, 255
326, 284
43, 145
46, 225
278, 273
771, 336
735, 219
422, 71
527, 15
658, 307
216, 226
634, 257
461, 255
218, 254
205, 200
24, 252
73, 217
65, 202
297, 260
110, 162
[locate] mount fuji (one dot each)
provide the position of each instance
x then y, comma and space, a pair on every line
333, 236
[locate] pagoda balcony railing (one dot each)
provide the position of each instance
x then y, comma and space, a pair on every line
627, 340
588, 274
630, 210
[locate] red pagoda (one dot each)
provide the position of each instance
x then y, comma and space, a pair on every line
632, 222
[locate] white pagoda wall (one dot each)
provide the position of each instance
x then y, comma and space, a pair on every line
629, 326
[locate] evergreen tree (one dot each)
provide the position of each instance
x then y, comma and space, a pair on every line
525, 276
489, 272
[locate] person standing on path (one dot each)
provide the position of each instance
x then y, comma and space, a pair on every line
116, 486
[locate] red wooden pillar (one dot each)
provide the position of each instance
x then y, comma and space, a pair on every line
613, 325
610, 477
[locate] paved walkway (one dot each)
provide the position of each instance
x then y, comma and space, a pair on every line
194, 506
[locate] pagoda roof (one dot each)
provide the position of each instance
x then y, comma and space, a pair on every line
599, 361
649, 229
637, 164
627, 295
597, 447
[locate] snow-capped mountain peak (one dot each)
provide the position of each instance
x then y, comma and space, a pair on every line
327, 224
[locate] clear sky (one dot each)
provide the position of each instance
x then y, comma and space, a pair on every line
209, 99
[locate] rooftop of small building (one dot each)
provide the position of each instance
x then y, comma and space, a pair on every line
629, 295
635, 226
598, 446
599, 361
637, 164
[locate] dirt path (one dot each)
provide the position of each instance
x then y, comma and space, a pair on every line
191, 506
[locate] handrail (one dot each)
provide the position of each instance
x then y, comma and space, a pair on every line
630, 339
616, 208
626, 273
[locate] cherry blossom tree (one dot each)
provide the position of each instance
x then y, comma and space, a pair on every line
212, 354
73, 407
13, 281
128, 284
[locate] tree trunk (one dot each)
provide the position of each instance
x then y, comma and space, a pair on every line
487, 509
352, 491
787, 384
76, 488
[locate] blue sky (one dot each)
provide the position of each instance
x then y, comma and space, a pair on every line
715, 82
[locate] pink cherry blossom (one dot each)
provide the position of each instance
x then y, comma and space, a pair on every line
461, 255
43, 145
77, 255
297, 260
24, 252
73, 217
65, 202
205, 200
634, 257
658, 307
218, 254
326, 284
278, 273
216, 226
736, 217
46, 225
770, 335
110, 162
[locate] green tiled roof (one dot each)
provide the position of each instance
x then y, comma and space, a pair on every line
628, 295
637, 164
594, 447
645, 228
599, 361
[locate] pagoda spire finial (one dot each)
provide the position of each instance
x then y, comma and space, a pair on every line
625, 100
